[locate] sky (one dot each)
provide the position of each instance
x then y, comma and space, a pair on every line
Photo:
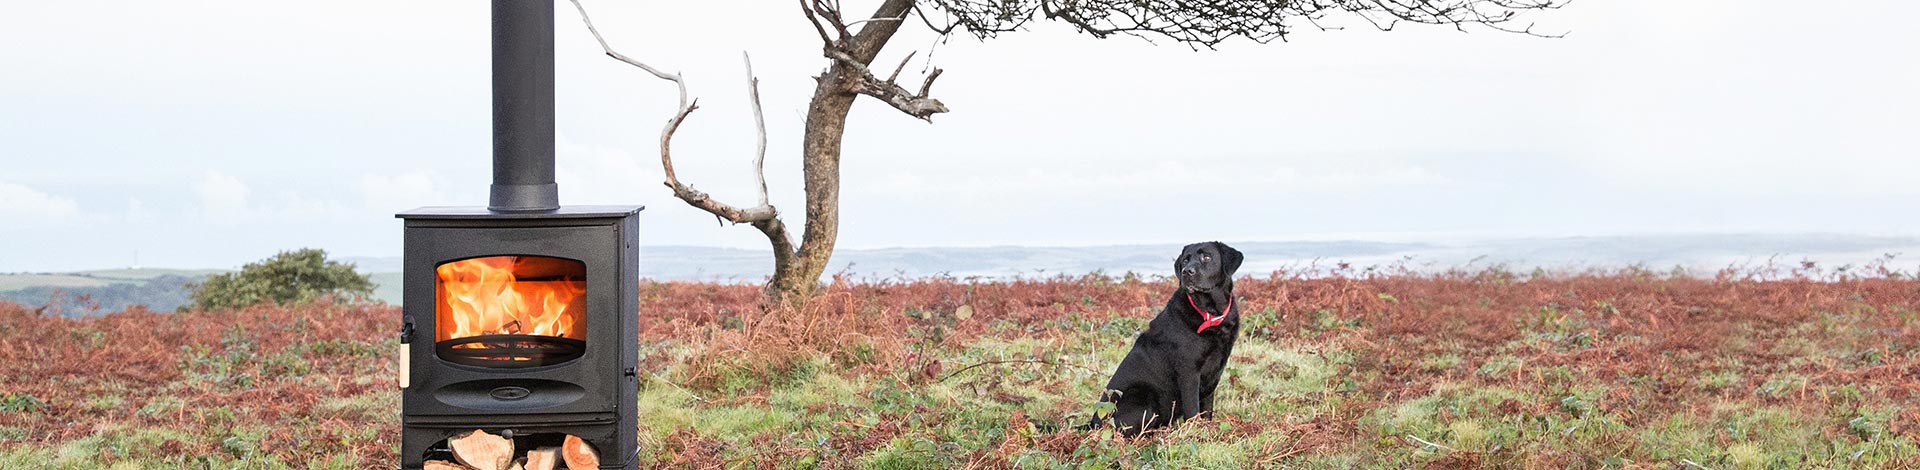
211, 133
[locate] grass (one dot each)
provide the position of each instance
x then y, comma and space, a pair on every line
1485, 369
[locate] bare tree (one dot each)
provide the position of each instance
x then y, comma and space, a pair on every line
1195, 23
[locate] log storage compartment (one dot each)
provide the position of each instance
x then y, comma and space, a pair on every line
519, 329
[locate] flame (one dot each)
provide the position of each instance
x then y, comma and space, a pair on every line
484, 296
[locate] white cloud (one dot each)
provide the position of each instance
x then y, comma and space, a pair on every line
138, 213
590, 174
24, 202
398, 192
227, 200
295, 206
222, 196
1162, 179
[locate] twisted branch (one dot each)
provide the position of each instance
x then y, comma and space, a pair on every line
762, 216
862, 80
914, 104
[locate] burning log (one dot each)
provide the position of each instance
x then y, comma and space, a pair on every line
578, 454
544, 458
443, 465
482, 451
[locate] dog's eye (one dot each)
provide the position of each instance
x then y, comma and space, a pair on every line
1206, 258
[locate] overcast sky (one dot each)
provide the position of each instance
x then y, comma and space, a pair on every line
212, 133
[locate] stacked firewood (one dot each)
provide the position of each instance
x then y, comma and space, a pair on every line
480, 450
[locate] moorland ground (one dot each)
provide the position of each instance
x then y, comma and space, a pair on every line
1336, 368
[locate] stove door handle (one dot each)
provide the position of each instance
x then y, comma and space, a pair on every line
406, 352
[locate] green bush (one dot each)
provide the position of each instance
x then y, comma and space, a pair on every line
22, 403
291, 277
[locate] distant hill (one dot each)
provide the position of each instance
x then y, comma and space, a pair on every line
106, 290
1705, 253
94, 278
1700, 253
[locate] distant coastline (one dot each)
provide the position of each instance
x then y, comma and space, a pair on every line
1702, 253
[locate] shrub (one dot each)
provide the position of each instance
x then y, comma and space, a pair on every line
288, 278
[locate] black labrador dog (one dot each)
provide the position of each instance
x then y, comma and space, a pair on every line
1175, 365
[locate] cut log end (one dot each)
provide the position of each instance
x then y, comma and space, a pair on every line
443, 465
578, 454
544, 458
482, 451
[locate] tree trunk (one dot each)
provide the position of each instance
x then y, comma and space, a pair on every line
796, 276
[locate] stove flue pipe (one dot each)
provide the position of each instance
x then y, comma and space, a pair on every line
523, 107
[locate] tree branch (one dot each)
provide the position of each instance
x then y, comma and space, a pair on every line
928, 84
760, 131
623, 58
1207, 24
1015, 361
875, 19
854, 52
866, 44
902, 66
818, 11
916, 105
812, 17
1430, 444
763, 216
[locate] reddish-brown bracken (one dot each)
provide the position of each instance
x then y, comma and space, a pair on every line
301, 365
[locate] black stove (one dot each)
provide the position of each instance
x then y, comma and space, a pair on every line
520, 318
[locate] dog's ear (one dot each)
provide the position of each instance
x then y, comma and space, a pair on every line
1183, 254
1229, 259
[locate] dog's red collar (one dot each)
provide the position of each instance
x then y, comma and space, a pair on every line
1209, 320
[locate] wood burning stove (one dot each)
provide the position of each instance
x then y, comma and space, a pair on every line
521, 324
520, 319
